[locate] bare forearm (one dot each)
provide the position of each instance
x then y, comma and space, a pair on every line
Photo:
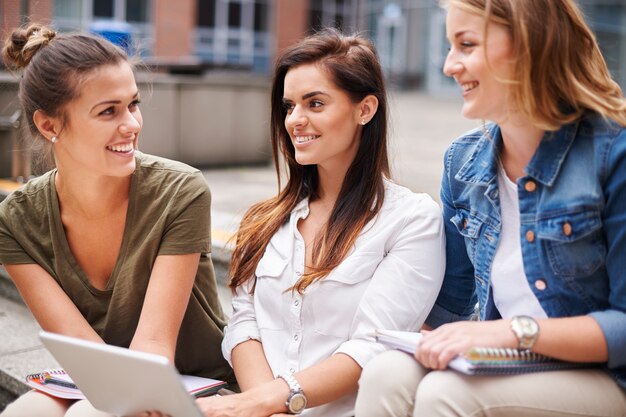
576, 339
322, 383
330, 379
51, 306
250, 365
165, 303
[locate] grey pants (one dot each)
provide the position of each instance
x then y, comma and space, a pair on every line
394, 384
36, 404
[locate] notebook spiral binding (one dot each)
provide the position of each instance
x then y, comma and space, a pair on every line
485, 353
41, 376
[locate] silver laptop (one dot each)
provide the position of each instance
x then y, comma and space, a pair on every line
121, 381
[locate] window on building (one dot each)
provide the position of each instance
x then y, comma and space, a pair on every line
103, 8
234, 14
336, 13
608, 19
73, 15
206, 13
260, 17
316, 18
234, 33
68, 9
338, 22
137, 10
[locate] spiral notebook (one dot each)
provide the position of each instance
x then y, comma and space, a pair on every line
58, 383
482, 361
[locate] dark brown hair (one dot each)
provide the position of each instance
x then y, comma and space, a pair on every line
353, 65
54, 66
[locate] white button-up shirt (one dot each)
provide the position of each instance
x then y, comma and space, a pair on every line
390, 280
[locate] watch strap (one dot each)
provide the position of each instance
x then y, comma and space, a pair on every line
294, 390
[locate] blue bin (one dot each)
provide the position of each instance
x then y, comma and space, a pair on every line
118, 33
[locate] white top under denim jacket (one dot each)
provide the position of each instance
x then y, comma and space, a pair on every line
390, 280
572, 203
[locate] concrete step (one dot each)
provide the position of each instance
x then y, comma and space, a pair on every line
21, 352
7, 288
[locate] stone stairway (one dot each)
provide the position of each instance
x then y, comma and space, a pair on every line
21, 351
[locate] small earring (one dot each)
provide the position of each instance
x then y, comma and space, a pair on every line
54, 139
363, 122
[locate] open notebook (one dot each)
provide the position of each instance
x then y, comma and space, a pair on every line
482, 361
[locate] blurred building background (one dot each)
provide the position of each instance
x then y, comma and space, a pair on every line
193, 35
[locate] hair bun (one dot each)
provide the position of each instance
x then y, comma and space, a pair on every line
24, 43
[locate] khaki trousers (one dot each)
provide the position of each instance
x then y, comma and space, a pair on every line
36, 404
394, 384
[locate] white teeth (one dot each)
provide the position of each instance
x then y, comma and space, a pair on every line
304, 139
469, 86
121, 148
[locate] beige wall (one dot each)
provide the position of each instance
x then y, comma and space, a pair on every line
218, 119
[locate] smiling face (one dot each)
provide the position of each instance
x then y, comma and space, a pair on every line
103, 124
322, 121
480, 66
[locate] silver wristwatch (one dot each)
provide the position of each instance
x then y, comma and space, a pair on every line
296, 401
526, 330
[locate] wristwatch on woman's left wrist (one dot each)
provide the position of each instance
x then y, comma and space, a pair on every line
526, 330
296, 401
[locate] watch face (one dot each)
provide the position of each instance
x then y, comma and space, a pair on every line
297, 403
529, 327
526, 330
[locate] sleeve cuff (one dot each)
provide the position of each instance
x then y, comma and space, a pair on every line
362, 351
613, 325
234, 336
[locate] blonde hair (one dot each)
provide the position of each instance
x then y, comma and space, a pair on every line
560, 72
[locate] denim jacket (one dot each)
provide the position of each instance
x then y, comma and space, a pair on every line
572, 202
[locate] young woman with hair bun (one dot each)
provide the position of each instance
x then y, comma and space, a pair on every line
112, 245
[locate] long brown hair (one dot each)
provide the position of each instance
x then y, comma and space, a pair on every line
354, 67
560, 72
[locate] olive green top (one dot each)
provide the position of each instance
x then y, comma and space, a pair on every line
168, 214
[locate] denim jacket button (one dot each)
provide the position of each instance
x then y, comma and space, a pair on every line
540, 284
530, 236
567, 229
530, 186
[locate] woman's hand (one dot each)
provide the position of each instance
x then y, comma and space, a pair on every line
235, 405
438, 347
261, 401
